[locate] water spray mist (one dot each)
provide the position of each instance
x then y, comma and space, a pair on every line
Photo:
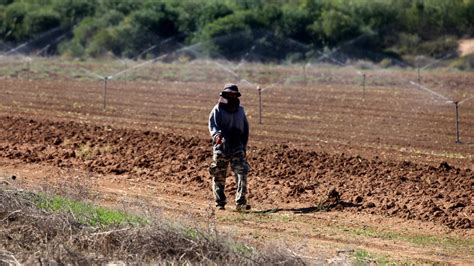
448, 101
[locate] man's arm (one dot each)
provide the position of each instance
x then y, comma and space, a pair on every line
213, 124
245, 135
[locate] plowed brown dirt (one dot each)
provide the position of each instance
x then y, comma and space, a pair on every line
280, 174
390, 156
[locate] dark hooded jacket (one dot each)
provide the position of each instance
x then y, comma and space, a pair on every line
233, 126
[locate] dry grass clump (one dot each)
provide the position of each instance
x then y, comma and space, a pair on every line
29, 235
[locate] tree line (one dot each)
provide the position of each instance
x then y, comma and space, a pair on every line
271, 30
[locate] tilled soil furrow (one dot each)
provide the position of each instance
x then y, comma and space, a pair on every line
279, 175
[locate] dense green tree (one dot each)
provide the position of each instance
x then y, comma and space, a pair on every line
122, 6
12, 25
238, 28
295, 23
73, 11
468, 16
337, 26
229, 35
6, 2
41, 20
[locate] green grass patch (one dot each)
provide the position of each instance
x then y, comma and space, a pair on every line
363, 257
243, 249
87, 213
447, 243
191, 233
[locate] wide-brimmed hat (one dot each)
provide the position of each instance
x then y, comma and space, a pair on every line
231, 89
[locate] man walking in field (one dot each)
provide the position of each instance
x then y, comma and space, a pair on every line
229, 130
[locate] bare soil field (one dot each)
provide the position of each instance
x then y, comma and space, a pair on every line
334, 168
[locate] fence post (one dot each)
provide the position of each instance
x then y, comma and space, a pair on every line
105, 91
259, 104
419, 76
304, 75
457, 122
363, 84
28, 69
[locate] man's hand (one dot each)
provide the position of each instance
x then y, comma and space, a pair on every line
218, 139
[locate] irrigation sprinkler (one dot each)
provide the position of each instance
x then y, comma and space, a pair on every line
46, 47
43, 50
227, 69
25, 44
431, 91
363, 85
437, 61
152, 47
418, 62
457, 122
305, 80
105, 79
28, 67
356, 39
419, 76
145, 51
259, 104
419, 69
448, 101
92, 74
136, 66
242, 60
105, 91
364, 77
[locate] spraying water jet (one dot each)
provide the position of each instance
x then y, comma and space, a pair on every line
448, 101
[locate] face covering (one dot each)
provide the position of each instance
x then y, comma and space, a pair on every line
229, 104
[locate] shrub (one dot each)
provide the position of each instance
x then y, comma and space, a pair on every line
6, 2
334, 26
157, 18
385, 63
407, 43
71, 49
85, 30
40, 21
121, 6
105, 40
12, 28
230, 35
441, 46
294, 23
464, 63
73, 11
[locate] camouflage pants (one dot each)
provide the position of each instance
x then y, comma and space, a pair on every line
218, 171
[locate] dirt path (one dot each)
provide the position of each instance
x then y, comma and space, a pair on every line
319, 236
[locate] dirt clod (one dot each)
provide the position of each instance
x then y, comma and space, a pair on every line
334, 180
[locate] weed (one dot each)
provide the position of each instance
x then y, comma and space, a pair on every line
87, 151
84, 152
28, 227
191, 233
362, 257
243, 249
86, 213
